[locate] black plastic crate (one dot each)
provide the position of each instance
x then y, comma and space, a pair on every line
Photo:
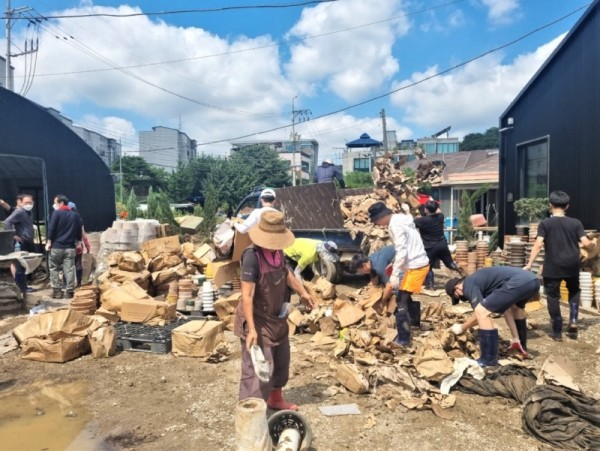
143, 338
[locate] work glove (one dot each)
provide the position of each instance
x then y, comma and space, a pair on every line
395, 282
405, 208
457, 329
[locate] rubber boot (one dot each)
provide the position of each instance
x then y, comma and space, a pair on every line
403, 328
429, 280
78, 275
57, 293
573, 316
556, 333
276, 401
521, 346
488, 343
21, 281
414, 311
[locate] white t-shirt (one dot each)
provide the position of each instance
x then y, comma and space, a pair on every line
410, 253
252, 219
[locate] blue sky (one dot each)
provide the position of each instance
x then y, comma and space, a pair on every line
237, 71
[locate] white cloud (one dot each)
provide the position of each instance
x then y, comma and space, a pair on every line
247, 89
502, 12
472, 97
353, 63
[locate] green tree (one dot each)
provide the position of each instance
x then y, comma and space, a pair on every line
187, 179
139, 174
264, 163
481, 141
356, 179
132, 206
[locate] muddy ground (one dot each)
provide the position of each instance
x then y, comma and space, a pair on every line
143, 401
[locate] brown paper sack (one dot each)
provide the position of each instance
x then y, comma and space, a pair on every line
103, 341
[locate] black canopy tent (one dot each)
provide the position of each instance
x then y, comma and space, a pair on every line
27, 175
57, 161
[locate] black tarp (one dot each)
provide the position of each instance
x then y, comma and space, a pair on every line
71, 166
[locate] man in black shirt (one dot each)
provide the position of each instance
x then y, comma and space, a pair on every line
64, 236
560, 236
431, 227
499, 289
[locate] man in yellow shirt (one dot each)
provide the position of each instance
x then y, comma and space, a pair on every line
304, 252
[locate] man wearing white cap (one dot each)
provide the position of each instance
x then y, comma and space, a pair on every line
267, 200
304, 252
327, 172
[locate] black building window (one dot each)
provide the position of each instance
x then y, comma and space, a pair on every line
534, 169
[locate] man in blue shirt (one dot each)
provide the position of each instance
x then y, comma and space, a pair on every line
327, 172
377, 266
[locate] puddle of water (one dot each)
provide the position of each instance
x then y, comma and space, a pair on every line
44, 416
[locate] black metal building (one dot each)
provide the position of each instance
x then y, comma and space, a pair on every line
40, 155
550, 134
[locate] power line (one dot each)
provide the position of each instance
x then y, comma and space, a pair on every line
275, 44
411, 85
189, 11
69, 39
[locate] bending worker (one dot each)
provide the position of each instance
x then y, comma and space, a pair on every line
304, 252
431, 227
267, 202
327, 172
499, 289
376, 265
410, 266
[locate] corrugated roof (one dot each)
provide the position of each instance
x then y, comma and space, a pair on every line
469, 167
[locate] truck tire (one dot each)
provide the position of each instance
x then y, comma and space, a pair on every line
327, 269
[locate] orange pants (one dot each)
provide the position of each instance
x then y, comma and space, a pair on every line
413, 279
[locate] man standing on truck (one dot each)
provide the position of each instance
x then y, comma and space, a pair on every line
267, 200
410, 258
327, 172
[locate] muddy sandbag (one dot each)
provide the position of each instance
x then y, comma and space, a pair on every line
562, 417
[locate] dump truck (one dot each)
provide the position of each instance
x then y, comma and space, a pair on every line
313, 211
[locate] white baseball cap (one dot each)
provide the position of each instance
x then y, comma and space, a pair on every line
267, 192
328, 161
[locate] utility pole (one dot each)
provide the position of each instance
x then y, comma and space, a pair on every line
10, 85
302, 115
384, 123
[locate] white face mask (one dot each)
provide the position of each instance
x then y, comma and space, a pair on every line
28, 207
56, 206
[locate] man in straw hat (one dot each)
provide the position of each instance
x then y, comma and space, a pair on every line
261, 317
410, 259
499, 289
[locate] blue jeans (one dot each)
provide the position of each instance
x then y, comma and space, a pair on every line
62, 259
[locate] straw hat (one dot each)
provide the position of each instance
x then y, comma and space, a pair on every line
270, 232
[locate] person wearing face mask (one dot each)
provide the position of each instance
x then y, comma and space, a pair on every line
8, 209
261, 316
21, 221
64, 237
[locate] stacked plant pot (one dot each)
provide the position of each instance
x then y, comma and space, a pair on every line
185, 294
85, 300
461, 255
481, 249
587, 289
516, 252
